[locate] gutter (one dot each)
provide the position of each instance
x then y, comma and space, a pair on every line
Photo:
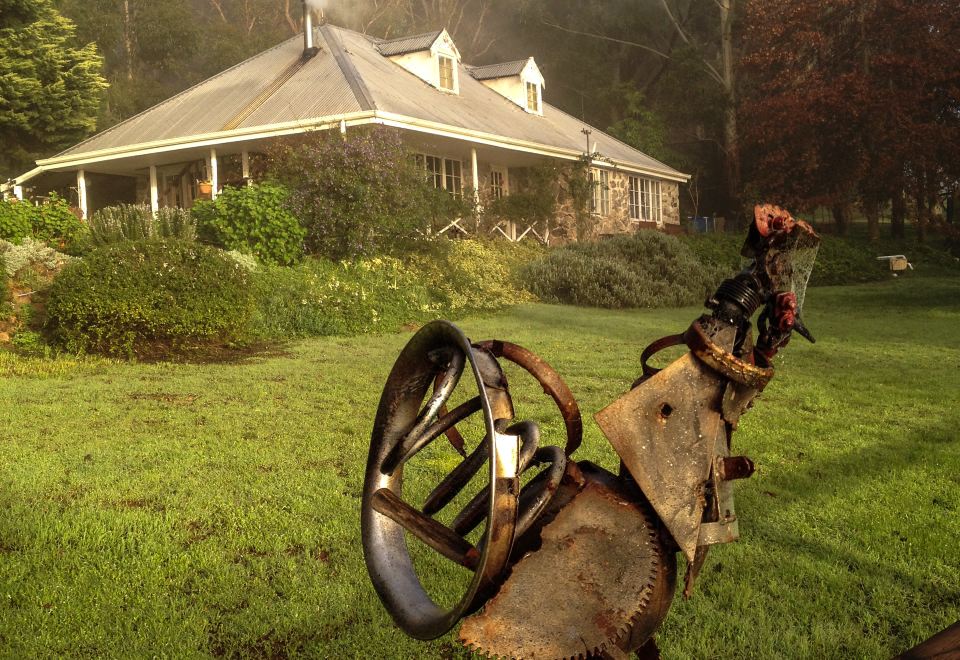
331, 121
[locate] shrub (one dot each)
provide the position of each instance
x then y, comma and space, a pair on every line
16, 220
360, 194
148, 298
31, 253
646, 269
136, 222
253, 220
471, 275
50, 222
54, 222
321, 297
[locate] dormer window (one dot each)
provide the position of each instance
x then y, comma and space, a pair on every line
446, 73
533, 97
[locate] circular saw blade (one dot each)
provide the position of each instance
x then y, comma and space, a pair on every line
581, 592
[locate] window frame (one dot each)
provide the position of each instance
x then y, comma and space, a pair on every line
533, 93
442, 172
600, 191
441, 58
646, 200
498, 190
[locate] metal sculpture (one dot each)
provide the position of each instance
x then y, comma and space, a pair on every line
574, 561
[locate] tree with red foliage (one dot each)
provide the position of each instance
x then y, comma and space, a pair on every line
851, 102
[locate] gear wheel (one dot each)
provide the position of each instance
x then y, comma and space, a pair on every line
593, 578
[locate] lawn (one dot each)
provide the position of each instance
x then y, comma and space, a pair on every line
193, 510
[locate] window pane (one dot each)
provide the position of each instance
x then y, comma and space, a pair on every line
453, 177
496, 184
446, 73
532, 104
435, 171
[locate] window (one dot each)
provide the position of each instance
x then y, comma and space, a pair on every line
453, 177
600, 200
498, 183
446, 73
645, 200
533, 98
443, 173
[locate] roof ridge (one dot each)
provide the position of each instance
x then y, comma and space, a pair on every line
410, 36
347, 68
517, 61
175, 96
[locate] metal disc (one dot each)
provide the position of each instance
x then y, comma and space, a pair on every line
582, 591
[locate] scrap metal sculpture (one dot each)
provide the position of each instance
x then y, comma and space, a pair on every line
564, 559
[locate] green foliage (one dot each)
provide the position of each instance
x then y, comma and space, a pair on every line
643, 128
31, 255
49, 88
16, 220
143, 298
646, 269
31, 343
321, 297
467, 276
135, 222
536, 201
360, 194
381, 294
50, 222
253, 220
54, 222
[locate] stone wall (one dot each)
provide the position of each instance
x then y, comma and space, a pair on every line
566, 228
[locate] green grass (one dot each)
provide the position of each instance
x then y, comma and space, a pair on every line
194, 510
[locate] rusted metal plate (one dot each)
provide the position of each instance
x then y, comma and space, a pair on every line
582, 591
665, 430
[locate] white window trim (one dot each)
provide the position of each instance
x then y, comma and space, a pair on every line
645, 186
600, 192
526, 98
420, 159
505, 186
455, 89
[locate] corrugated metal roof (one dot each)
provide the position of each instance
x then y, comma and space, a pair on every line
501, 70
317, 89
349, 74
479, 108
403, 45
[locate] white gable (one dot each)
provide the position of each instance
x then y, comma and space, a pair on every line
514, 86
426, 64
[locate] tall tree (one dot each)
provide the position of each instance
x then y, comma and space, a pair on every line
49, 86
854, 102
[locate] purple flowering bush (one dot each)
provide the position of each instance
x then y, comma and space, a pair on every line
359, 194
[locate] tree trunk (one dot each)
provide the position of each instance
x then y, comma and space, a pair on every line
921, 216
128, 38
898, 212
871, 209
730, 130
841, 217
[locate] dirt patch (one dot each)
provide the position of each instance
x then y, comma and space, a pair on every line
197, 531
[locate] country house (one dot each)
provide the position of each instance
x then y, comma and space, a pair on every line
476, 129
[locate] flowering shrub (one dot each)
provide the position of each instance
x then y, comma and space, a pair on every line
253, 220
136, 222
322, 297
360, 194
143, 298
382, 294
